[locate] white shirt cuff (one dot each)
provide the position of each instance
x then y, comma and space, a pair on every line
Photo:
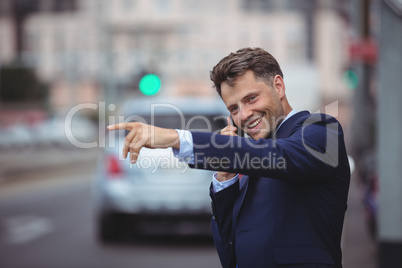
220, 185
186, 152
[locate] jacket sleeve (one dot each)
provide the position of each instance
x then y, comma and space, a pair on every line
221, 222
314, 149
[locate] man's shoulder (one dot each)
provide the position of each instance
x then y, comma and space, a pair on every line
309, 123
307, 118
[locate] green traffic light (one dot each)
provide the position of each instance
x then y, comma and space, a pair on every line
150, 84
350, 79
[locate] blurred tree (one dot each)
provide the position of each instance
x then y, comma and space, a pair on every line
21, 85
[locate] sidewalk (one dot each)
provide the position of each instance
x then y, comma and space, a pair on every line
13, 162
358, 247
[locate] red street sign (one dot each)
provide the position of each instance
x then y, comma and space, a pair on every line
365, 51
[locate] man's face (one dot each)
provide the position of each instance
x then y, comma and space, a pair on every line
254, 106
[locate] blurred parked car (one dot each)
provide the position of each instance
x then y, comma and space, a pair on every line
158, 194
16, 136
49, 132
52, 131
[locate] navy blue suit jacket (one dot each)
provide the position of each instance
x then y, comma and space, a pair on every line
290, 210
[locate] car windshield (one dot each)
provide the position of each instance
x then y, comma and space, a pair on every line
205, 123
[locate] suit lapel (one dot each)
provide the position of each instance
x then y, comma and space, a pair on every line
239, 201
283, 132
287, 127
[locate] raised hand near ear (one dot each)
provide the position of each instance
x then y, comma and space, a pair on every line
229, 130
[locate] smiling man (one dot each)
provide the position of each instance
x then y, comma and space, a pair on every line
264, 215
256, 104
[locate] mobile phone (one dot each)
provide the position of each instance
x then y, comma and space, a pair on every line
240, 132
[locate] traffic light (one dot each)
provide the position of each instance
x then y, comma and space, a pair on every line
350, 78
150, 84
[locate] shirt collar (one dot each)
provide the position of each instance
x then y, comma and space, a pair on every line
293, 112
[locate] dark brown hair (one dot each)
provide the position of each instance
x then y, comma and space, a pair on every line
263, 65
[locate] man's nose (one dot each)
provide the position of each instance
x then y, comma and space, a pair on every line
245, 114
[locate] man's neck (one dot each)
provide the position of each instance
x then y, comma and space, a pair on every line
289, 114
287, 109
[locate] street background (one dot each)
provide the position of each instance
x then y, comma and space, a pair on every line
46, 221
67, 66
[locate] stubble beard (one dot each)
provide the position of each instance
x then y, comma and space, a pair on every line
274, 121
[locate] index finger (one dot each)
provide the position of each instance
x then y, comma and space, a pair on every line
117, 126
229, 121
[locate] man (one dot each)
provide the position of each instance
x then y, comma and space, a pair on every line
279, 197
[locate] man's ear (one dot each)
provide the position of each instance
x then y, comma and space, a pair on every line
279, 86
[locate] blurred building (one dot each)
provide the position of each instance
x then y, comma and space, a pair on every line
98, 49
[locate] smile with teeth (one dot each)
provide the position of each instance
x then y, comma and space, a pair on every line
255, 123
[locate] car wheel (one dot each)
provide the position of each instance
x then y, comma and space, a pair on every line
108, 229
114, 228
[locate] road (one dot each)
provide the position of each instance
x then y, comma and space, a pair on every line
46, 221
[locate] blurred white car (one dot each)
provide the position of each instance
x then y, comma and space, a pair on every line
17, 136
47, 133
158, 194
53, 131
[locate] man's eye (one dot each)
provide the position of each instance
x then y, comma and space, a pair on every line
233, 110
252, 98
